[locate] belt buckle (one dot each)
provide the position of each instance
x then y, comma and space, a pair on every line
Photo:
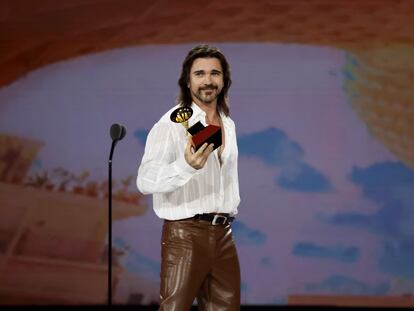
215, 219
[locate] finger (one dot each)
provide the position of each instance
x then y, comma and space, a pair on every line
201, 149
189, 148
207, 152
209, 149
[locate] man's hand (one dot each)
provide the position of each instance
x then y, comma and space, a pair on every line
199, 158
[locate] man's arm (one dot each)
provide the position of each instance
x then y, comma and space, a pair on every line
159, 170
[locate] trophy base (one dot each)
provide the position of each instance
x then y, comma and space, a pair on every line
210, 134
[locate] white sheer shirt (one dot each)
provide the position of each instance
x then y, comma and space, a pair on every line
180, 191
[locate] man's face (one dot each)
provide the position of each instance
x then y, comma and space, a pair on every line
206, 80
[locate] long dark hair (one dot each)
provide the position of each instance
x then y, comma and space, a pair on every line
204, 51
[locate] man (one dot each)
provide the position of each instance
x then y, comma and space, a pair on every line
196, 192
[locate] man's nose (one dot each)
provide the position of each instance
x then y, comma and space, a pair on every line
207, 79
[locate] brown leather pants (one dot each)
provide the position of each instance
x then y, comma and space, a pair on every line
199, 260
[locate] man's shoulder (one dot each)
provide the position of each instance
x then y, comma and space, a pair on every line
230, 121
165, 118
165, 123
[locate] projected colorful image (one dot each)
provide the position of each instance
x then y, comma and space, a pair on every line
326, 184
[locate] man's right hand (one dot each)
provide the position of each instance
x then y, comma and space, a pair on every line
199, 158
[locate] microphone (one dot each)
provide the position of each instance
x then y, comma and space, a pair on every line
117, 131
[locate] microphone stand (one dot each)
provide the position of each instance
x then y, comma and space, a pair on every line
110, 223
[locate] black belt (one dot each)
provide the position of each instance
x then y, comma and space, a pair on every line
215, 219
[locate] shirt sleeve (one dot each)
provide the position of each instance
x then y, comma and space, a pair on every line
160, 171
236, 173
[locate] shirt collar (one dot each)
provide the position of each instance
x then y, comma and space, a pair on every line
199, 113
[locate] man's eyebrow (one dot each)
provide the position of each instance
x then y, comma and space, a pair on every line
202, 70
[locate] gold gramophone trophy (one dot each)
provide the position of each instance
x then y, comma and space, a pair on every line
200, 134
181, 115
